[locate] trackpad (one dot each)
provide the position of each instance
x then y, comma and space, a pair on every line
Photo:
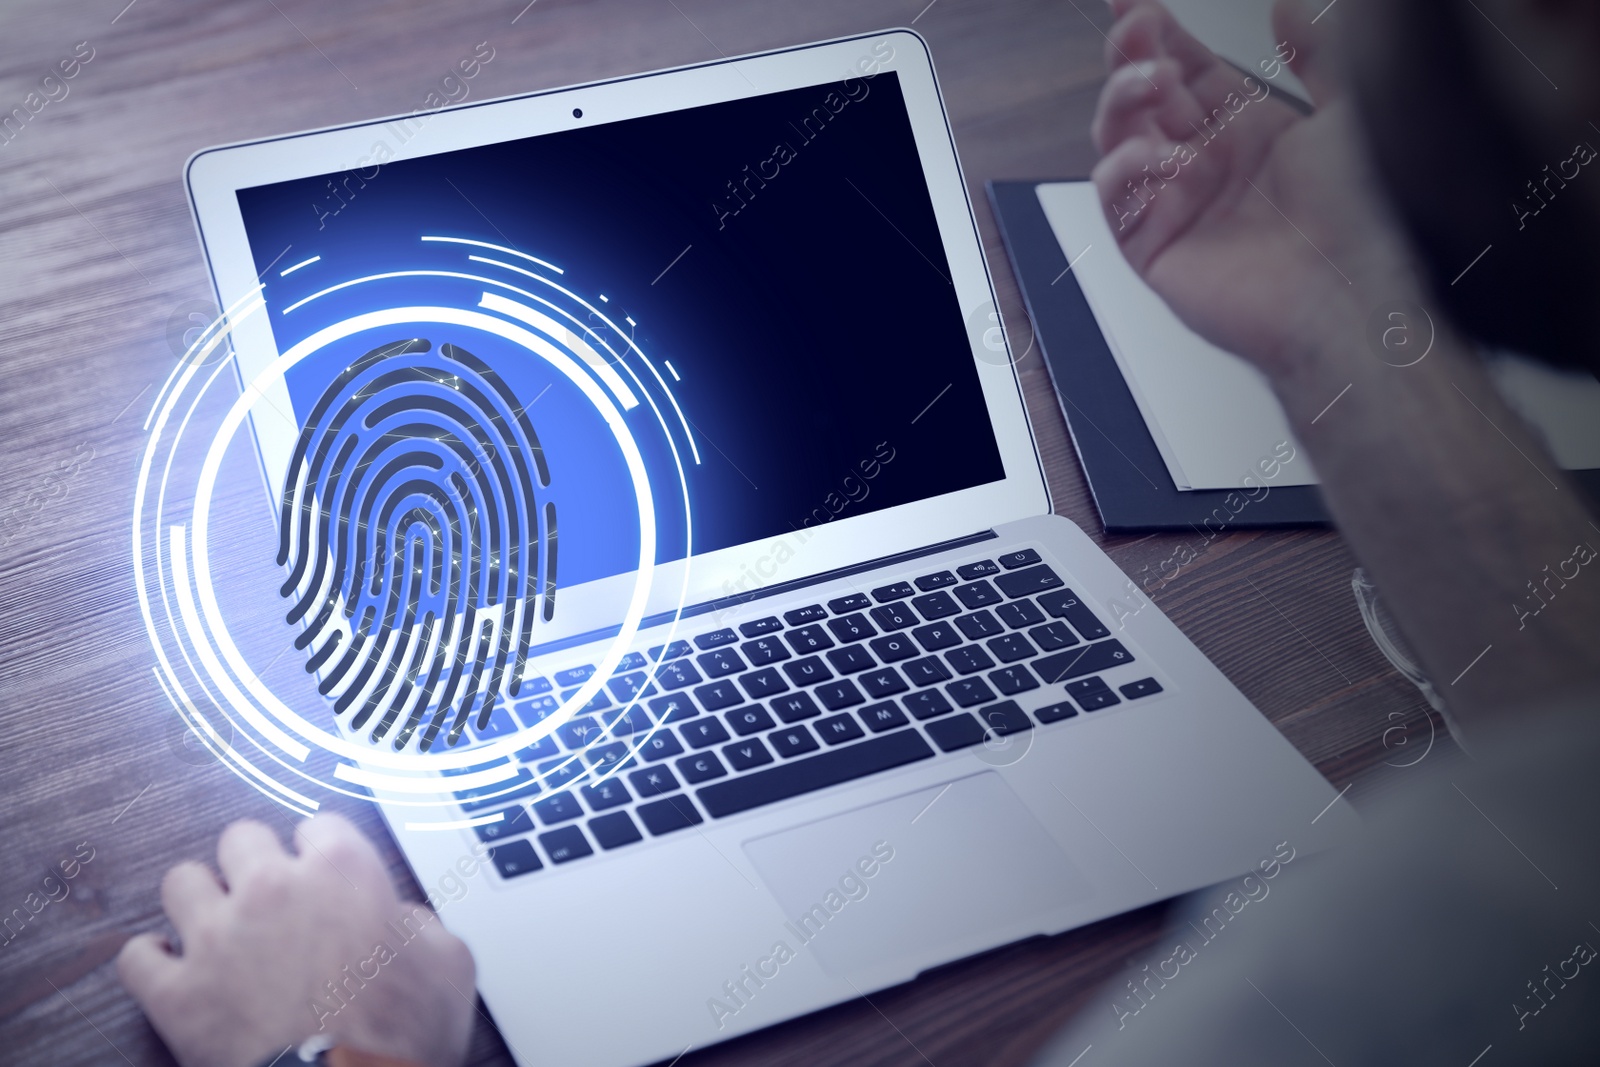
920, 878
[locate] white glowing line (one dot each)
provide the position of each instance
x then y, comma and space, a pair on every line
392, 783
545, 324
497, 248
604, 298
208, 655
209, 340
457, 824
240, 410
290, 270
675, 375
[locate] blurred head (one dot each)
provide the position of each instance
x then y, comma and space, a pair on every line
1478, 116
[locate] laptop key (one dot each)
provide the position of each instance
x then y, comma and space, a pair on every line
704, 733
660, 745
1011, 648
557, 808
565, 844
522, 792
533, 686
850, 659
1064, 604
674, 708
718, 695
930, 582
969, 692
811, 773
846, 604
514, 858
893, 647
927, 704
653, 781
840, 694
750, 720
895, 616
1013, 680
574, 676
1142, 688
635, 719
808, 671
1019, 614
715, 639
802, 616
761, 627
596, 702
1004, 718
852, 628
614, 830
721, 662
793, 741
1055, 712
794, 707
837, 729
883, 716
1075, 663
808, 639
1026, 583
936, 606
926, 671
675, 650
1053, 636
979, 594
610, 756
701, 767
577, 733
1021, 558
559, 772
961, 731
936, 636
764, 650
763, 683
543, 748
981, 569
979, 624
1092, 694
608, 793
668, 814
883, 682
898, 591
513, 821
743, 755
969, 659
677, 674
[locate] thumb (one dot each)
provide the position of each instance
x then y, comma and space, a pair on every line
1309, 48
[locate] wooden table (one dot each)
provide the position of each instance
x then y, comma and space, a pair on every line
99, 261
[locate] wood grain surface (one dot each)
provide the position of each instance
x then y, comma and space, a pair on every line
98, 258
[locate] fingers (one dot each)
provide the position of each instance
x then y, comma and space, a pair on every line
1313, 60
145, 964
246, 846
1152, 191
187, 892
1145, 29
1146, 99
331, 839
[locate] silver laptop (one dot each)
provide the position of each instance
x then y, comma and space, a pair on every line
661, 517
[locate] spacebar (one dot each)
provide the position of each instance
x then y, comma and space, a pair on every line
816, 772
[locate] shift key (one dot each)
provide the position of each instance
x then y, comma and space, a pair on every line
1077, 662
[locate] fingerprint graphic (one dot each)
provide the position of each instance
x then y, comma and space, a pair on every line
419, 553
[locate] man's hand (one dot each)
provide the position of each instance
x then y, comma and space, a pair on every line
1257, 225
287, 946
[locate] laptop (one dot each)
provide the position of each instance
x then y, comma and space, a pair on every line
720, 657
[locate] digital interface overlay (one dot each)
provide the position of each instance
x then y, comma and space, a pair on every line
648, 330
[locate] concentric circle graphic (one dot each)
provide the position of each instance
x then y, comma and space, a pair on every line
414, 551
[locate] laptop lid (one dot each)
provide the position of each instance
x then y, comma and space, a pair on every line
764, 273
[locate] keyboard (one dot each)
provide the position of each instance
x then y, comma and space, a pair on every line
737, 718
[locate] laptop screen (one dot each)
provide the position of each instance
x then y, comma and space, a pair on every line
759, 285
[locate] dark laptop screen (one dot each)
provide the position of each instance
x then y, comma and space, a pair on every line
775, 260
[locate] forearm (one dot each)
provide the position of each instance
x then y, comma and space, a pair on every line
1475, 538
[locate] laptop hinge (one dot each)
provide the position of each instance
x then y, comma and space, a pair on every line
723, 603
